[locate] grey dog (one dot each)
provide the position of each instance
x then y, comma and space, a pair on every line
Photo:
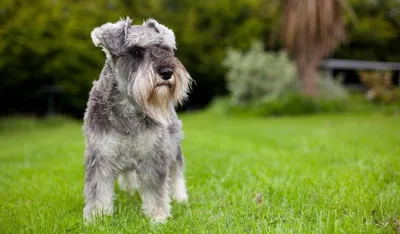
131, 127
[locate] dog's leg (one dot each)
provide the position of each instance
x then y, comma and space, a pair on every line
153, 188
99, 188
127, 182
177, 179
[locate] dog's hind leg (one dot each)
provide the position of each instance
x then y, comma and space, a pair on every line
99, 188
128, 182
177, 179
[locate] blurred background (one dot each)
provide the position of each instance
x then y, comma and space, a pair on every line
262, 57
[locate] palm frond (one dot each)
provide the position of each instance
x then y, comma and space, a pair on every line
314, 27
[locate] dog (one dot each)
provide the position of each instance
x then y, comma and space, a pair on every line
131, 128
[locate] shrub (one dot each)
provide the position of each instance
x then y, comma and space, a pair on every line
380, 86
291, 104
258, 76
265, 83
331, 89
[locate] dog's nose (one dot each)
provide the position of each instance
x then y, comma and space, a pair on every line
165, 73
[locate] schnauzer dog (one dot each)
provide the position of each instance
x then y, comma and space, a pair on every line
131, 128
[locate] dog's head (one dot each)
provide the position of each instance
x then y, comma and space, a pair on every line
143, 61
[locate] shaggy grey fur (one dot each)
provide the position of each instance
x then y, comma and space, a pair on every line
131, 128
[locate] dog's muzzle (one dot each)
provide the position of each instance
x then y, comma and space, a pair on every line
168, 84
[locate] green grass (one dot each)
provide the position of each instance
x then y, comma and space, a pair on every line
319, 174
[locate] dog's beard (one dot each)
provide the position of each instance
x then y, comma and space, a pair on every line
182, 84
158, 104
157, 97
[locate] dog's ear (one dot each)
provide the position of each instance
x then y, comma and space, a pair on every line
164, 35
111, 37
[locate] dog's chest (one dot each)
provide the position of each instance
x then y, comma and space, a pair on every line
136, 146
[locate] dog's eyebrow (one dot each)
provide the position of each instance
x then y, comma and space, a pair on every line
163, 47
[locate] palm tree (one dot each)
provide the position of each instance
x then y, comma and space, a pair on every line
312, 29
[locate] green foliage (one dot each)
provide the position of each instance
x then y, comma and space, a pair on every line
298, 105
330, 88
375, 35
295, 105
265, 83
288, 105
47, 42
256, 76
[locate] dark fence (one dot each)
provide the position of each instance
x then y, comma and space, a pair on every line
349, 68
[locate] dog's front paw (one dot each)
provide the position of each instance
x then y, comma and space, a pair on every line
90, 214
160, 219
158, 214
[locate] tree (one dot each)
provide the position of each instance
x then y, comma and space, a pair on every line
312, 30
46, 44
376, 35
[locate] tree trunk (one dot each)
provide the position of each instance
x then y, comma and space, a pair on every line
308, 75
309, 80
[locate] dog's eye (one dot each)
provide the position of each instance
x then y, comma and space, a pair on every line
137, 51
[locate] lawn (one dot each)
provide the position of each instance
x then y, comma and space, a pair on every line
319, 174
